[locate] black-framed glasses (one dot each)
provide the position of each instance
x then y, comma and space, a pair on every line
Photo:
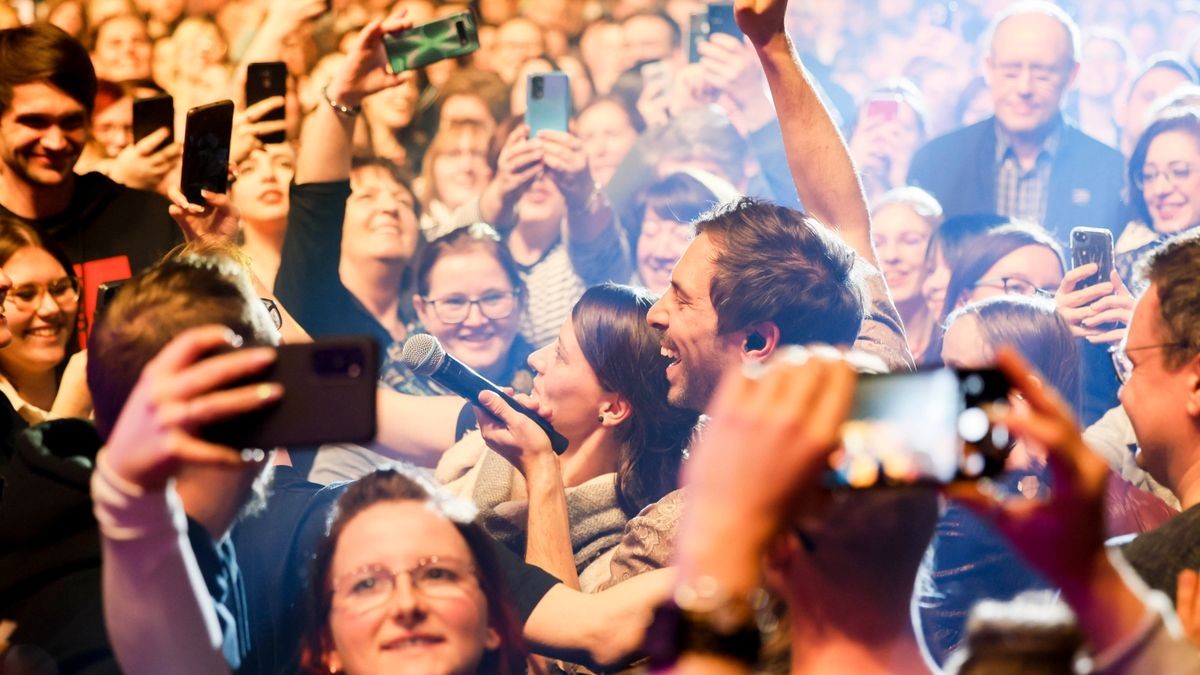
1124, 366
28, 297
273, 310
454, 309
369, 587
1015, 286
1175, 173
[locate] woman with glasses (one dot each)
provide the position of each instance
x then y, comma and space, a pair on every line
40, 309
1012, 259
1164, 171
405, 582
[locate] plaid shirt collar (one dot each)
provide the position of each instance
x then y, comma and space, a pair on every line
1004, 144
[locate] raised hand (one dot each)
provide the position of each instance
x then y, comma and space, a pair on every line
179, 392
218, 222
143, 165
1099, 313
249, 126
365, 69
761, 20
567, 165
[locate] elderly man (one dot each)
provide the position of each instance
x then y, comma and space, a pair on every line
1027, 161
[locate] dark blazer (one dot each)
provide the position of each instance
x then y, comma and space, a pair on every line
1086, 181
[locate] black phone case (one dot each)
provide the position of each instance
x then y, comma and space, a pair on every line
264, 80
151, 114
206, 150
329, 397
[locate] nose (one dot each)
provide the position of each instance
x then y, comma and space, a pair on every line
54, 138
537, 360
475, 315
887, 250
406, 605
48, 306
1025, 80
657, 316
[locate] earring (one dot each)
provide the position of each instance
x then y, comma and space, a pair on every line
600, 419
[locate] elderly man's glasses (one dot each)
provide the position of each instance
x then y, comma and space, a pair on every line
28, 297
372, 586
454, 309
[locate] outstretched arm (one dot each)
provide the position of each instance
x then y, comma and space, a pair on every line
817, 155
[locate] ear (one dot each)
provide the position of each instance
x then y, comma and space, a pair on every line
492, 640
419, 305
760, 340
989, 68
1071, 76
615, 410
1193, 389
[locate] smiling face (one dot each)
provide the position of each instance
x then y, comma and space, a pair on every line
42, 133
1171, 181
460, 169
1029, 70
39, 322
475, 276
660, 244
901, 236
568, 393
122, 50
937, 280
380, 222
261, 190
688, 321
410, 632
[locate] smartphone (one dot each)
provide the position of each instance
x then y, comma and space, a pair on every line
445, 38
1092, 245
720, 20
263, 81
547, 101
329, 397
885, 108
928, 427
104, 295
697, 31
154, 113
206, 139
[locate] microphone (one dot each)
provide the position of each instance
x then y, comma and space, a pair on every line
424, 355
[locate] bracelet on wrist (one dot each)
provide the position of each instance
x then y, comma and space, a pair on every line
340, 108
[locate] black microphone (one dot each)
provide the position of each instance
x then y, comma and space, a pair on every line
424, 355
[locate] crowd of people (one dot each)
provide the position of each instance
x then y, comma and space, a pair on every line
688, 283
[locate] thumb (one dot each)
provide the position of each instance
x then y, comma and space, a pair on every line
492, 403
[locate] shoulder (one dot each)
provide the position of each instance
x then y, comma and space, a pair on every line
1079, 142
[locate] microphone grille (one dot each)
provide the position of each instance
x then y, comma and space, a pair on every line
423, 354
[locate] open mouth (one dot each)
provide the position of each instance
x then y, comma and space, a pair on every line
413, 642
672, 355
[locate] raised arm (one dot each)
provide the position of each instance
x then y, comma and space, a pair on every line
824, 174
327, 137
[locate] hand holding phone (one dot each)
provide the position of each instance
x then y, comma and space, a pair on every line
151, 114
264, 81
1092, 245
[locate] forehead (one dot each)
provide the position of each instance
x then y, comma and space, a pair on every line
603, 112
694, 272
1147, 312
32, 263
898, 219
1172, 145
398, 533
365, 177
1031, 36
42, 98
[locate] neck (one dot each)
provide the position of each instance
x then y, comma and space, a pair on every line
1187, 486
35, 388
34, 201
594, 455
816, 650
918, 324
530, 240
376, 284
264, 246
1028, 145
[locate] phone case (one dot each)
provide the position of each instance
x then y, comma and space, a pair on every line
151, 114
697, 31
721, 20
206, 150
1092, 245
264, 80
548, 102
329, 397
445, 38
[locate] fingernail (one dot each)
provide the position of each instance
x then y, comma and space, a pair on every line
269, 391
233, 339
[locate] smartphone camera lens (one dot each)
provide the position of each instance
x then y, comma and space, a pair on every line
338, 362
972, 385
538, 86
462, 32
